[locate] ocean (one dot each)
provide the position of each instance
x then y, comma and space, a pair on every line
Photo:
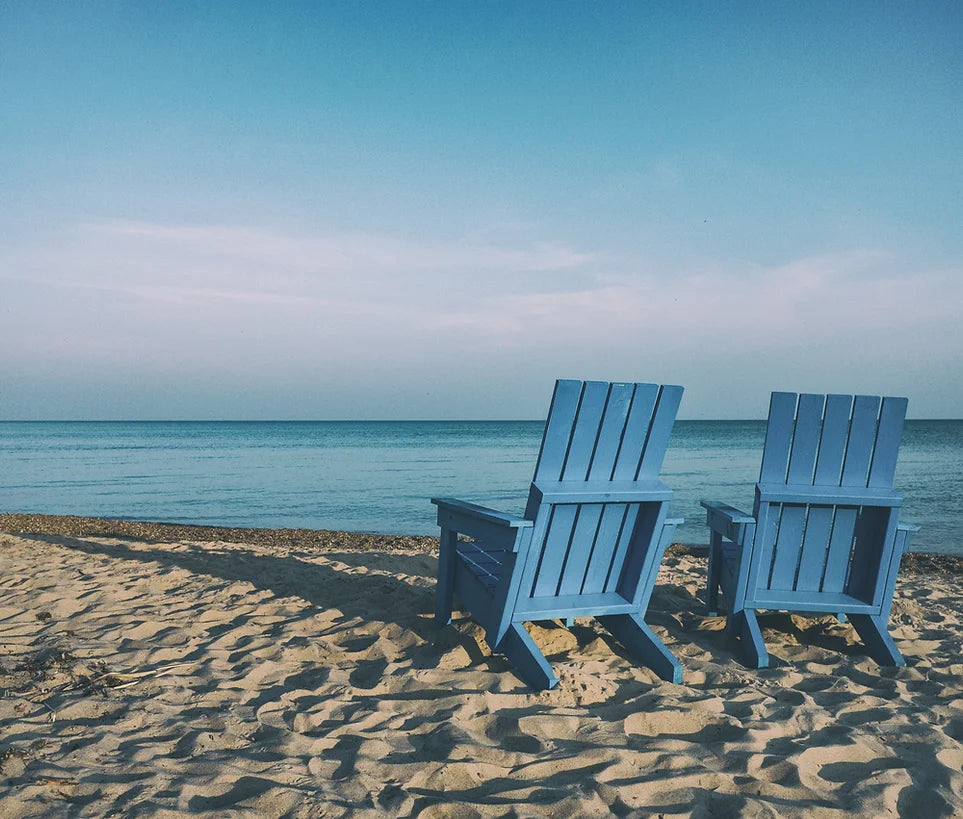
378, 476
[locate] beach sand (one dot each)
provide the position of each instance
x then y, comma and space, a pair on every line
164, 671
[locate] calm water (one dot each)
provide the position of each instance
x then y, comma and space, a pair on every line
378, 476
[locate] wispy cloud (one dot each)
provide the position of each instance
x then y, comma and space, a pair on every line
352, 273
425, 298
347, 252
855, 295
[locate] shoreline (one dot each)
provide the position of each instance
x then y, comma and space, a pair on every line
327, 539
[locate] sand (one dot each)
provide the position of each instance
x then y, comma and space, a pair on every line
171, 671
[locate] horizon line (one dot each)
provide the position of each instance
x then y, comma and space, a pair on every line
349, 420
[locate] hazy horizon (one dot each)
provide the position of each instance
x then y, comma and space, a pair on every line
432, 211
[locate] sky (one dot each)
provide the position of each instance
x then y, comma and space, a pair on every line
419, 210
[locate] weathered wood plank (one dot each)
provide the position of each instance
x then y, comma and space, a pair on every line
585, 433
571, 605
614, 574
756, 561
827, 602
661, 428
610, 434
819, 523
580, 548
603, 491
851, 495
805, 441
610, 528
446, 576
840, 549
873, 546
631, 630
653, 558
775, 452
527, 658
888, 438
788, 542
636, 432
558, 430
862, 436
557, 541
832, 447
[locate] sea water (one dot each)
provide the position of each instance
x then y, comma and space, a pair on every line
378, 476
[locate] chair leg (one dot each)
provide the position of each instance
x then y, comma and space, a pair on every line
714, 575
880, 646
643, 644
530, 664
445, 590
743, 624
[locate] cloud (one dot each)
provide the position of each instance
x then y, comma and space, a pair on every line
346, 272
419, 296
345, 252
853, 296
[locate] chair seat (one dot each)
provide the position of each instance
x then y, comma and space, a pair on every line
485, 563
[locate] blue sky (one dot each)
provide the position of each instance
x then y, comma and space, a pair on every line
433, 210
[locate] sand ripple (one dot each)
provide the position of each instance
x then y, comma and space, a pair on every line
279, 679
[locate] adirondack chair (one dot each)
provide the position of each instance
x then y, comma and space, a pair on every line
592, 536
824, 535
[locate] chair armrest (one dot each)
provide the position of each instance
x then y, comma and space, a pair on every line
673, 521
907, 527
730, 513
498, 530
726, 520
472, 510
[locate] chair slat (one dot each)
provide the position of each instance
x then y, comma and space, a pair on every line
862, 436
610, 526
775, 453
840, 549
610, 435
636, 432
614, 574
658, 440
555, 550
832, 446
815, 546
805, 441
888, 438
788, 541
869, 546
558, 430
585, 433
580, 549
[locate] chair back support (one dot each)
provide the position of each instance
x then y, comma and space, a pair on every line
825, 506
595, 497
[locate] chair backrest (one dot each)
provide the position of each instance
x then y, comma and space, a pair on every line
596, 486
825, 502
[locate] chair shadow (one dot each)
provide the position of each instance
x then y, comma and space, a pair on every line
374, 595
410, 604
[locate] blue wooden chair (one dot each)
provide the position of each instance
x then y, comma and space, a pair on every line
592, 537
824, 535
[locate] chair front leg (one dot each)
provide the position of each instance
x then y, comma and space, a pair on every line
714, 574
445, 591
